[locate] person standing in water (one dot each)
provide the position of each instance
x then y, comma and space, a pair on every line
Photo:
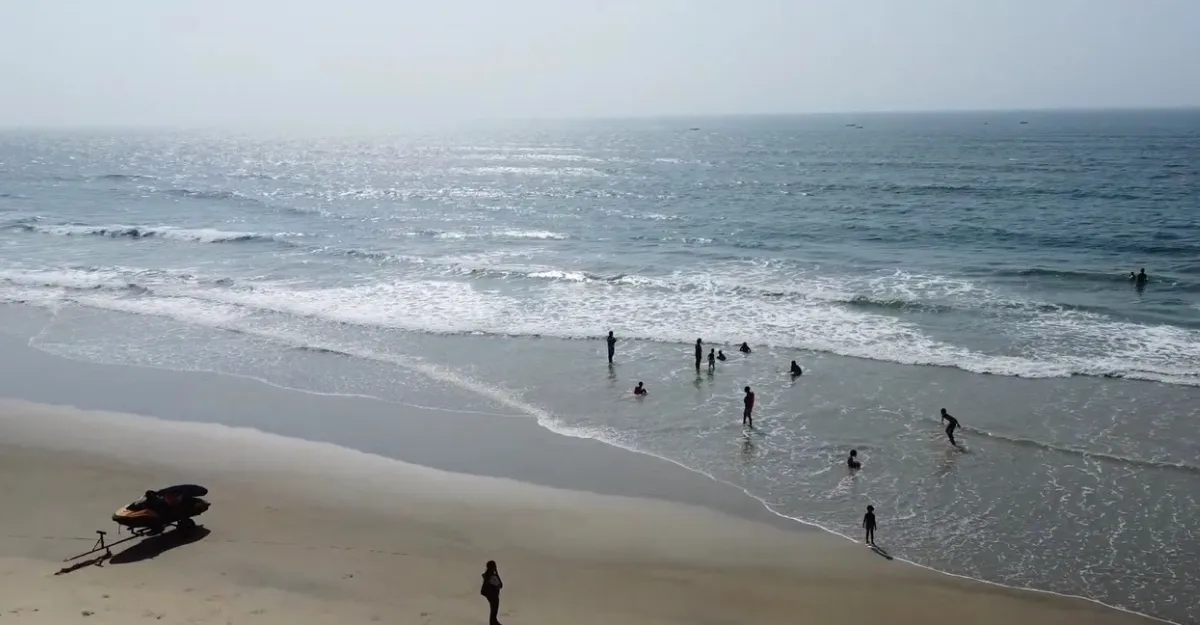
1142, 277
640, 390
491, 590
612, 346
699, 354
745, 349
712, 360
949, 428
869, 525
721, 355
747, 414
796, 371
852, 461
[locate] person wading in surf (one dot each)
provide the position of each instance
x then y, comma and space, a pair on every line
950, 428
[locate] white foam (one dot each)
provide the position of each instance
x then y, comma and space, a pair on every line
197, 235
796, 311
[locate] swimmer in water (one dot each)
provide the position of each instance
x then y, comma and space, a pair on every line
796, 371
640, 390
721, 355
712, 360
950, 428
1141, 278
745, 349
852, 461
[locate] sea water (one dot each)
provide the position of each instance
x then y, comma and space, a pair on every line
907, 262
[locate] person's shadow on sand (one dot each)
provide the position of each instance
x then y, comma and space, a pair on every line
155, 545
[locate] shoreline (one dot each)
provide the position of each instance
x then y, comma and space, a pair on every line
779, 569
652, 477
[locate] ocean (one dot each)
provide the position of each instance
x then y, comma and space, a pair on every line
910, 262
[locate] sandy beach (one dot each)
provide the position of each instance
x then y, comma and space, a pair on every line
314, 533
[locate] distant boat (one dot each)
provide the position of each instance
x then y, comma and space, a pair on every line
1024, 122
693, 129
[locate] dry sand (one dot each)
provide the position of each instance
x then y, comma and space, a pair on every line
310, 533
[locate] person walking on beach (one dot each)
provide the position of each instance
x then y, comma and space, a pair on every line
949, 428
712, 360
699, 354
748, 400
491, 590
612, 346
869, 525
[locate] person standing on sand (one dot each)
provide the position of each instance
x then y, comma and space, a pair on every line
491, 590
747, 416
869, 525
712, 360
612, 346
699, 354
949, 428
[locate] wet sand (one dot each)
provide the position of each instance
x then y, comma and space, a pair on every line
310, 532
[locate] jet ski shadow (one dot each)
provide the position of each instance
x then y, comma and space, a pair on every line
154, 546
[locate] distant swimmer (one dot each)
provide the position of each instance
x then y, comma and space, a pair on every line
950, 428
747, 414
796, 370
869, 525
852, 461
1142, 277
712, 360
640, 390
721, 355
612, 346
745, 349
699, 354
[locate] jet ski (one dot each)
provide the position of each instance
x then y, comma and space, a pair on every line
174, 505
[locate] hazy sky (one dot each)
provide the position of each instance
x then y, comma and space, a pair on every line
217, 62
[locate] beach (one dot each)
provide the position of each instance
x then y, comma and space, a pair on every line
310, 532
441, 300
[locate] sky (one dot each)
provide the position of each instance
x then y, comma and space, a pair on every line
399, 63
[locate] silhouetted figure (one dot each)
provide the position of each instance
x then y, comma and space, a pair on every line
869, 525
721, 355
852, 461
1142, 277
640, 390
699, 354
796, 370
747, 414
745, 349
712, 360
612, 346
950, 428
491, 590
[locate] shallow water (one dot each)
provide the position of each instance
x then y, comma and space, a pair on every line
494, 260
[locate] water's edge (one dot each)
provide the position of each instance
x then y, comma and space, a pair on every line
591, 457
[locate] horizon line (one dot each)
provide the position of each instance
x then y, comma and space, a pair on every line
472, 121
